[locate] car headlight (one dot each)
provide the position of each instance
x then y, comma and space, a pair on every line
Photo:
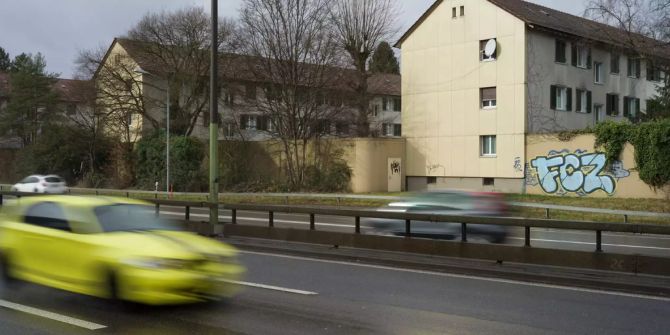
156, 263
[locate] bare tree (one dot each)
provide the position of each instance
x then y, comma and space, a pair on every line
291, 49
361, 25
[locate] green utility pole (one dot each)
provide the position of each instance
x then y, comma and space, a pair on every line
214, 121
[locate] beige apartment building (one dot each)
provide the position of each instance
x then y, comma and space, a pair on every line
479, 76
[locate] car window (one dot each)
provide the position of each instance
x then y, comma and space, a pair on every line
31, 180
127, 217
48, 215
53, 179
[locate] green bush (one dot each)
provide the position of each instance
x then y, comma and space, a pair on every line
186, 162
612, 137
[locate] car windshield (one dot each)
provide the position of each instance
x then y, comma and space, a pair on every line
53, 179
127, 217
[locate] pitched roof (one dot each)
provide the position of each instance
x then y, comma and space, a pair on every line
237, 67
544, 17
69, 90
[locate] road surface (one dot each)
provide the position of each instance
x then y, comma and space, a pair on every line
313, 296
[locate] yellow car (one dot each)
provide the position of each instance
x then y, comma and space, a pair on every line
112, 248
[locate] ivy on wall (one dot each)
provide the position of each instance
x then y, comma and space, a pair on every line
651, 141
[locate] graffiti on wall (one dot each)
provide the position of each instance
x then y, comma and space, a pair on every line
395, 167
580, 172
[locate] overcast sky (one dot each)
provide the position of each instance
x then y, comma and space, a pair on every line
58, 29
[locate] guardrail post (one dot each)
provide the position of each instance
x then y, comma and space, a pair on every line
188, 213
464, 232
234, 215
408, 232
0, 199
358, 225
599, 240
546, 213
96, 192
625, 218
271, 219
527, 236
157, 209
127, 194
312, 225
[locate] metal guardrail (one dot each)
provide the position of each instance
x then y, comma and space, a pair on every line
357, 214
626, 214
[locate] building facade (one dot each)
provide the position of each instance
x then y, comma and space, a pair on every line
480, 75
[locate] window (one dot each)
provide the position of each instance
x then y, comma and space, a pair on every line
248, 122
482, 54
263, 123
560, 98
462, 10
397, 103
488, 97
375, 110
488, 181
205, 119
342, 128
612, 105
488, 145
598, 111
583, 101
653, 73
228, 98
391, 129
47, 215
631, 106
250, 91
453, 12
633, 67
560, 52
431, 180
614, 63
397, 130
598, 72
385, 104
228, 129
581, 56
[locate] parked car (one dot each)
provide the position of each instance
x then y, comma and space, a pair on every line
448, 202
41, 184
112, 248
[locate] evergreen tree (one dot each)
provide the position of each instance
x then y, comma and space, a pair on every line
383, 60
5, 62
32, 100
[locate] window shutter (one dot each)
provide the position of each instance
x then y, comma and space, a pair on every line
489, 93
559, 52
588, 60
629, 72
574, 54
589, 104
579, 100
244, 121
626, 109
552, 99
397, 130
608, 104
637, 68
568, 106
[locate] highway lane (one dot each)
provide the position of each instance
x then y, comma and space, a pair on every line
653, 245
354, 298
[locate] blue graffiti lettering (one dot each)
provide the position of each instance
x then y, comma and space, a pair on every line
579, 172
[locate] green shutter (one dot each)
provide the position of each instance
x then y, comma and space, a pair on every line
568, 106
588, 60
574, 54
589, 104
552, 99
579, 100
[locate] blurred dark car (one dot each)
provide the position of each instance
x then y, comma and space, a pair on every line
461, 203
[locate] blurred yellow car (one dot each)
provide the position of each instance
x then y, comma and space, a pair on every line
112, 248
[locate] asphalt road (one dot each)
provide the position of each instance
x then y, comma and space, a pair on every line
312, 296
653, 245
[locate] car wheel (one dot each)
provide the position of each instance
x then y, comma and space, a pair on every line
7, 282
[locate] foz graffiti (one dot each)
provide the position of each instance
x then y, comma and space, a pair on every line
561, 172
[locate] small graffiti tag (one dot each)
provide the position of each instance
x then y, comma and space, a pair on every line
395, 167
583, 173
517, 164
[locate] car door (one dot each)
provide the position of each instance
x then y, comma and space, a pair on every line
29, 184
52, 253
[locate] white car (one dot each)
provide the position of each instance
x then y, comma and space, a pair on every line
41, 184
